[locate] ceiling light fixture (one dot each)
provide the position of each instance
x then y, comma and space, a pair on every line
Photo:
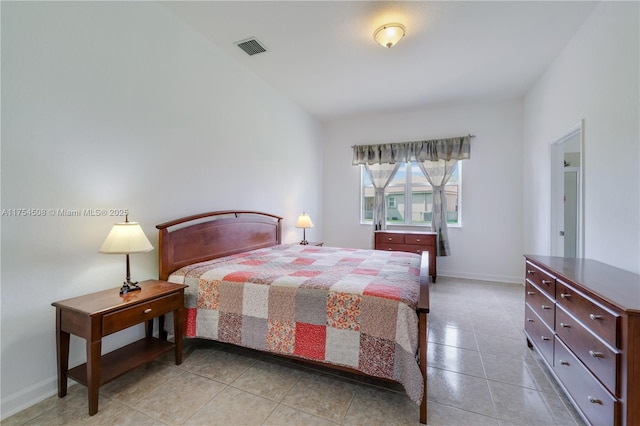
389, 34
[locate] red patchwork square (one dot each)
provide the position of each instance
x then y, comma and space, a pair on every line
305, 273
238, 276
230, 328
377, 356
365, 271
303, 261
310, 340
381, 290
190, 322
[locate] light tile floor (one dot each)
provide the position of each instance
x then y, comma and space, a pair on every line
480, 372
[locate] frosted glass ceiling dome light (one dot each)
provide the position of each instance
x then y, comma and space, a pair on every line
389, 34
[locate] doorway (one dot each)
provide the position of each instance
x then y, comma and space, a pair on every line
567, 239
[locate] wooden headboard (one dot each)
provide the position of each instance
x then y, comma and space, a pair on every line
211, 235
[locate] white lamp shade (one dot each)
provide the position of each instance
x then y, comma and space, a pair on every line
125, 238
304, 221
389, 34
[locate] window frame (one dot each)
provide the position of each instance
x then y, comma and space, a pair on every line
408, 200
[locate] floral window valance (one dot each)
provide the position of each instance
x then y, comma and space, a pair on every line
432, 150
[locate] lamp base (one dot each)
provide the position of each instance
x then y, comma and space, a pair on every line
128, 286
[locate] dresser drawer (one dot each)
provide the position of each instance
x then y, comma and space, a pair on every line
421, 240
541, 278
595, 354
539, 334
400, 247
541, 303
598, 405
122, 319
594, 316
388, 238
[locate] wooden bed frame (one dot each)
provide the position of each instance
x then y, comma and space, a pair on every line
216, 234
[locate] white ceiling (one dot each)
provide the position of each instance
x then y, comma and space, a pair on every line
321, 54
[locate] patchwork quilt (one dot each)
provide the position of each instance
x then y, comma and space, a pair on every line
348, 307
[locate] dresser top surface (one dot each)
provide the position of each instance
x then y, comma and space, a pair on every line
406, 232
617, 286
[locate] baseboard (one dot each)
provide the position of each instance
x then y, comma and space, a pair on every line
30, 396
481, 277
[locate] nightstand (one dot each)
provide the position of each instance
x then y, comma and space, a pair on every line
96, 315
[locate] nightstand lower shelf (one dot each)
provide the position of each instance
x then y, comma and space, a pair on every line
123, 360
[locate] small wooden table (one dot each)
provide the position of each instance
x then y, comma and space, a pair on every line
96, 315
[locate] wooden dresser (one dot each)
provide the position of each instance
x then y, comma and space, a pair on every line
583, 316
411, 242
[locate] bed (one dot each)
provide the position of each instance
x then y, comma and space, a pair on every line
362, 311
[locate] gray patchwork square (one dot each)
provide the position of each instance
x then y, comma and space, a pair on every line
254, 332
311, 306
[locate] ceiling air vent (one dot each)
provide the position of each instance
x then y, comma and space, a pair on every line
251, 46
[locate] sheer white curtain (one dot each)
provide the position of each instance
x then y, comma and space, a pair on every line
438, 174
380, 175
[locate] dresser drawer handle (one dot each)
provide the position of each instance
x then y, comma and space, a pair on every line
531, 293
418, 240
594, 400
595, 354
595, 317
146, 311
546, 307
390, 249
530, 271
563, 362
529, 320
544, 338
390, 238
565, 295
546, 282
564, 325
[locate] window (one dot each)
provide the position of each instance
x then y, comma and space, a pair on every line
409, 197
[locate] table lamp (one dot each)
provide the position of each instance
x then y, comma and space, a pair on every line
126, 238
304, 222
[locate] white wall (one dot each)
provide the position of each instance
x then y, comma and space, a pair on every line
595, 78
489, 243
121, 105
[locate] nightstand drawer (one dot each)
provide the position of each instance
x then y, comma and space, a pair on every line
125, 318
